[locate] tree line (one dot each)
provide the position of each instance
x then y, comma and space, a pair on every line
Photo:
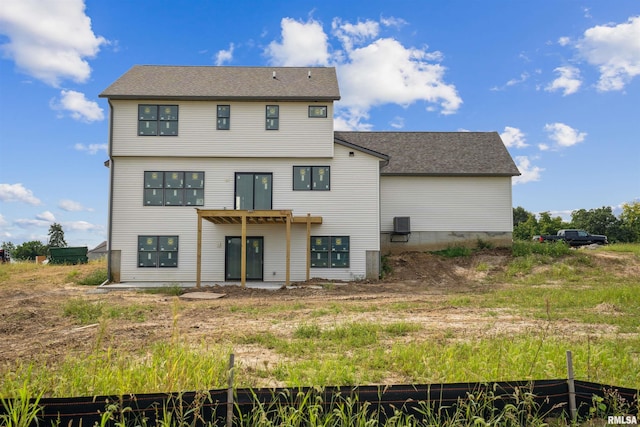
624, 228
29, 250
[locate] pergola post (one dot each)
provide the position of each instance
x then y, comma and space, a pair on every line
288, 256
243, 252
199, 253
308, 246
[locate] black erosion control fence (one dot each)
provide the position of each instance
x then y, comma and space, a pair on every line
202, 408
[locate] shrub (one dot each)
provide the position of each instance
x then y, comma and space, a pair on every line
96, 277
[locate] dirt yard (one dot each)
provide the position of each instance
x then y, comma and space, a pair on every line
33, 326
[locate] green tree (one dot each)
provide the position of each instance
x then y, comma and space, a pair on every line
525, 224
520, 215
56, 236
550, 225
630, 218
599, 221
29, 250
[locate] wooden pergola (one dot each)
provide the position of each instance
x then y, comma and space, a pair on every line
244, 217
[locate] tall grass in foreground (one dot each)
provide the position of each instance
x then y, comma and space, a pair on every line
484, 406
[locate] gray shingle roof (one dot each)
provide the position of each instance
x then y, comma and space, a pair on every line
208, 82
437, 153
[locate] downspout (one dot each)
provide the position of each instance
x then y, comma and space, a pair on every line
111, 170
382, 164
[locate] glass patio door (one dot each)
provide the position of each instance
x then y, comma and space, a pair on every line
255, 258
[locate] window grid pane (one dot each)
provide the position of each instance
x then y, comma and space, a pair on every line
273, 115
317, 111
157, 251
223, 117
156, 120
173, 188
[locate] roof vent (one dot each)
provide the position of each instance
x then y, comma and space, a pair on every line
309, 74
274, 74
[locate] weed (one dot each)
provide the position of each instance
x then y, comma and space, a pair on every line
454, 252
21, 411
96, 277
85, 312
482, 244
385, 268
174, 289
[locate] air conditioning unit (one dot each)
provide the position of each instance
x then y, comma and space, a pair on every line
402, 225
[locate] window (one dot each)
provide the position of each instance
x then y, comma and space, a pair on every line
253, 191
224, 116
330, 251
273, 117
317, 111
159, 120
311, 178
158, 251
173, 188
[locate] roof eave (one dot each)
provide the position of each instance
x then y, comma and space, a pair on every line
361, 149
450, 174
220, 98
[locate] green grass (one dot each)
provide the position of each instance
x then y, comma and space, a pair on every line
87, 312
454, 252
543, 285
623, 247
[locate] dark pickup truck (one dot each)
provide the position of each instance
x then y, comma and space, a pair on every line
575, 238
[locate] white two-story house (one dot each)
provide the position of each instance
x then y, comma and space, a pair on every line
228, 174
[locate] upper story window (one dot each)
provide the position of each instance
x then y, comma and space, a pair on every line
253, 190
224, 116
317, 111
273, 117
157, 120
173, 188
311, 178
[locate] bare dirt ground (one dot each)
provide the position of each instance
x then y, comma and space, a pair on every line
33, 326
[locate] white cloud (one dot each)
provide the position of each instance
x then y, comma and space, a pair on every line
513, 137
397, 123
80, 226
563, 135
49, 39
79, 107
393, 22
351, 35
302, 44
17, 193
513, 82
564, 41
46, 216
568, 81
615, 50
528, 172
91, 148
44, 219
3, 221
72, 206
225, 56
372, 73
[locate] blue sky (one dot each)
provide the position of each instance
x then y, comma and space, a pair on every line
559, 80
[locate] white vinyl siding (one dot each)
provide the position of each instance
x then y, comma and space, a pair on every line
447, 203
297, 135
349, 209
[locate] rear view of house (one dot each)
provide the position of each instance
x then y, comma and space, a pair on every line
224, 174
